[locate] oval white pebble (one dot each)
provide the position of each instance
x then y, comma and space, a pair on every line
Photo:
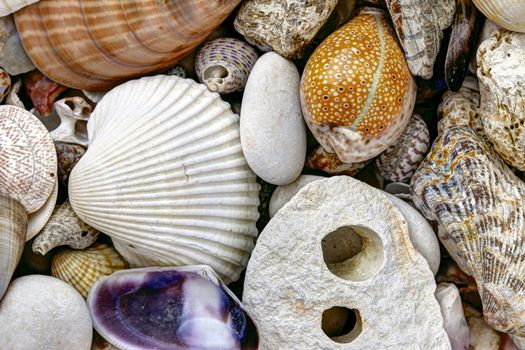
273, 134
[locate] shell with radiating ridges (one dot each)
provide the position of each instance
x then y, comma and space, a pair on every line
399, 161
13, 225
419, 25
82, 268
27, 158
480, 205
165, 172
38, 219
224, 64
101, 43
509, 14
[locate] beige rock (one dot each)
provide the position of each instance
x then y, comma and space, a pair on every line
283, 194
447, 294
13, 57
341, 243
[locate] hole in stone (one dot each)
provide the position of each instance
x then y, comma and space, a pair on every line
70, 104
216, 72
353, 253
341, 324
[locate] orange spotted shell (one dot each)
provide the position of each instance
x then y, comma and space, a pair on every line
357, 92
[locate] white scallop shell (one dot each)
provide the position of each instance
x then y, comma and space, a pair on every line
165, 172
38, 219
8, 7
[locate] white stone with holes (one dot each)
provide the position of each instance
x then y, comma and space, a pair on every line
335, 269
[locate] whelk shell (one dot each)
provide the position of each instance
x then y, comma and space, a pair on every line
82, 268
182, 193
509, 14
101, 43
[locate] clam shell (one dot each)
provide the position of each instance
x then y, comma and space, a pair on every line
28, 161
165, 172
480, 204
419, 25
509, 14
8, 7
13, 224
224, 64
82, 268
38, 219
101, 43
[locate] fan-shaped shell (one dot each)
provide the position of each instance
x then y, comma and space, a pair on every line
165, 172
28, 161
509, 14
82, 268
94, 45
10, 6
38, 219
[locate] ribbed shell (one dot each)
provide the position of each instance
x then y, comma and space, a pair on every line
82, 268
509, 14
224, 64
480, 205
38, 219
165, 172
28, 161
94, 45
8, 7
13, 223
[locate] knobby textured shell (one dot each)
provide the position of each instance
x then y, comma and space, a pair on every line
479, 203
419, 25
28, 160
182, 192
101, 43
38, 219
13, 223
224, 64
330, 164
399, 161
509, 14
82, 268
8, 7
357, 93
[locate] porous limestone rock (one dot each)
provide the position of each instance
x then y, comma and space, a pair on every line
283, 194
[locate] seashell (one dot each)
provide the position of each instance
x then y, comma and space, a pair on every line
74, 113
500, 74
27, 158
68, 156
399, 189
13, 225
479, 203
43, 312
136, 256
447, 294
12, 97
284, 26
178, 70
341, 14
5, 84
399, 161
344, 120
8, 7
146, 36
38, 219
82, 268
94, 96
64, 228
170, 308
340, 242
100, 343
486, 31
42, 91
13, 57
419, 26
462, 43
182, 193
509, 14
330, 164
224, 64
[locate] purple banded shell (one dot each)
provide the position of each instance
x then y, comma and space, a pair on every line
170, 309
399, 162
224, 64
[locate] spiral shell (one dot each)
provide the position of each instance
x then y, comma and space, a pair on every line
82, 268
224, 64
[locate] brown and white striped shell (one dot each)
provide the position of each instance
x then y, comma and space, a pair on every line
95, 45
399, 161
82, 268
224, 64
28, 160
500, 73
480, 206
419, 25
5, 84
329, 163
357, 93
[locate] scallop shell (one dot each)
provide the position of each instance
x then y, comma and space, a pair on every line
13, 223
399, 161
28, 160
480, 205
356, 72
38, 219
182, 192
419, 25
101, 43
8, 7
82, 268
509, 14
224, 64
330, 164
